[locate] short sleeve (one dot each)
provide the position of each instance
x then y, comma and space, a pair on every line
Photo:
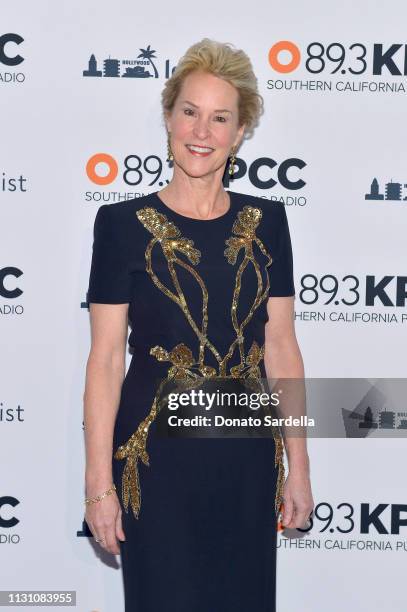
109, 279
281, 269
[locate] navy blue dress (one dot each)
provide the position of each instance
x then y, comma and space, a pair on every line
199, 514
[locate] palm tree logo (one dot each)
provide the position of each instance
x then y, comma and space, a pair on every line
149, 54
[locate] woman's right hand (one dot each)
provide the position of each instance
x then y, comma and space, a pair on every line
104, 519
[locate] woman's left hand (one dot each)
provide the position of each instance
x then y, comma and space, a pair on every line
297, 499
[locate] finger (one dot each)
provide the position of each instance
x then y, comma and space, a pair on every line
119, 528
288, 512
111, 543
99, 537
302, 520
96, 533
291, 521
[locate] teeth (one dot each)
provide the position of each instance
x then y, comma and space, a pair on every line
200, 149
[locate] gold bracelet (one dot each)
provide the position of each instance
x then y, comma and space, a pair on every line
92, 500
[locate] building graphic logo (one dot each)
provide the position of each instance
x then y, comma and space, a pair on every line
378, 410
386, 420
141, 68
392, 191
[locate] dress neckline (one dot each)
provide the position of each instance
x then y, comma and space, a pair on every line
179, 215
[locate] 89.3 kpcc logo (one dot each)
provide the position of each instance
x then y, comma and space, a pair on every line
347, 526
341, 298
349, 67
136, 171
10, 58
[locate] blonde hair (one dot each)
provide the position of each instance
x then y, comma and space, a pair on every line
226, 62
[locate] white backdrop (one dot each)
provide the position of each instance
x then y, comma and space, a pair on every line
343, 128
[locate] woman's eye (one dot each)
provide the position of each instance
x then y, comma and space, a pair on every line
220, 118
188, 111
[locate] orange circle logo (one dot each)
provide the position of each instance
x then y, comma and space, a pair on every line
104, 158
284, 45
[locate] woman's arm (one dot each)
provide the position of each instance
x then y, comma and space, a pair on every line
283, 359
105, 372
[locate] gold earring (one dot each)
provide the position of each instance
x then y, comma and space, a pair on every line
232, 162
170, 155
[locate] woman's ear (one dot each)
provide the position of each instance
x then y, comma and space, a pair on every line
240, 134
167, 122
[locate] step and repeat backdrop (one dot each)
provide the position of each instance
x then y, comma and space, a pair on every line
81, 125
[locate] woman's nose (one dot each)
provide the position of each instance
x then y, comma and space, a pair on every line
201, 128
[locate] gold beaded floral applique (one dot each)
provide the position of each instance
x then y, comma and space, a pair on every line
183, 364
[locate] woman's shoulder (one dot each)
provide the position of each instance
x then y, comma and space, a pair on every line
121, 215
124, 209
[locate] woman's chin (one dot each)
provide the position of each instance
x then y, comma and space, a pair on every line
196, 172
197, 169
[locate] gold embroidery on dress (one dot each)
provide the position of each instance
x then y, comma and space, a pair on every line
184, 365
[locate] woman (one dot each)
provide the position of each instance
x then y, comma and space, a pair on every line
205, 278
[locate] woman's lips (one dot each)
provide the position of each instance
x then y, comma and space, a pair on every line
199, 153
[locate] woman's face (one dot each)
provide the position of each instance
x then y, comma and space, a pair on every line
203, 124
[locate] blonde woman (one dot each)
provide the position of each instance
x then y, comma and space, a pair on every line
204, 276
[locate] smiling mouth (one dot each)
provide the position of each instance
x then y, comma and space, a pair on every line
197, 150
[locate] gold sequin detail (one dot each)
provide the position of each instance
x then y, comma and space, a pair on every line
244, 229
183, 363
